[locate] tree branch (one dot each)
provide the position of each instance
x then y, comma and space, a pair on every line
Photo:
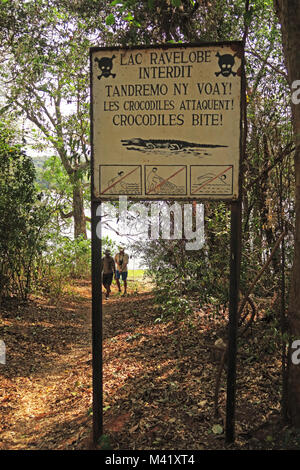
276, 69
66, 216
246, 297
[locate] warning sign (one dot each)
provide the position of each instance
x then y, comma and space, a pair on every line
166, 121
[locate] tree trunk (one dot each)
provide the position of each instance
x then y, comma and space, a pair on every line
289, 16
78, 212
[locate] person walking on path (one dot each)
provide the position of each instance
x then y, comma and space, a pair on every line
121, 260
108, 271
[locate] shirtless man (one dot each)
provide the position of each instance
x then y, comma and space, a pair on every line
108, 270
121, 260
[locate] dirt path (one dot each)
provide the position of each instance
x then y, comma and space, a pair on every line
45, 397
46, 384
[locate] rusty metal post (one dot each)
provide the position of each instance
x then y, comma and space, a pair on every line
97, 326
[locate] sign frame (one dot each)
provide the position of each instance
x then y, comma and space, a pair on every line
235, 249
237, 46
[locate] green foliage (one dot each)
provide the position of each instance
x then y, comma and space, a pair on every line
176, 307
23, 218
154, 21
176, 3
64, 259
48, 76
70, 258
182, 277
110, 19
55, 178
104, 442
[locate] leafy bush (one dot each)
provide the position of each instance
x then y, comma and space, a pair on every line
184, 278
65, 259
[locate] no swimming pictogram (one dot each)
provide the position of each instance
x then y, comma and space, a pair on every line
211, 179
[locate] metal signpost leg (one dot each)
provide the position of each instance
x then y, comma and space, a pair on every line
235, 250
96, 328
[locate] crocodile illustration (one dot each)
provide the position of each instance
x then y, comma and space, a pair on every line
171, 145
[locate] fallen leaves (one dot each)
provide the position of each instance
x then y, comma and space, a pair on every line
45, 382
158, 378
118, 423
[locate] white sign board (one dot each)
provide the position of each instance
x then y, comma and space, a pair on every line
166, 121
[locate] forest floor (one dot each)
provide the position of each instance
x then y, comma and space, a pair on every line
159, 378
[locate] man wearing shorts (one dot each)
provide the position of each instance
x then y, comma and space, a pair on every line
121, 260
108, 270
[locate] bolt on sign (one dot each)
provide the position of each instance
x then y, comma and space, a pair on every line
166, 121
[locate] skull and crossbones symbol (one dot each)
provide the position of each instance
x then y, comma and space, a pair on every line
105, 65
226, 62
